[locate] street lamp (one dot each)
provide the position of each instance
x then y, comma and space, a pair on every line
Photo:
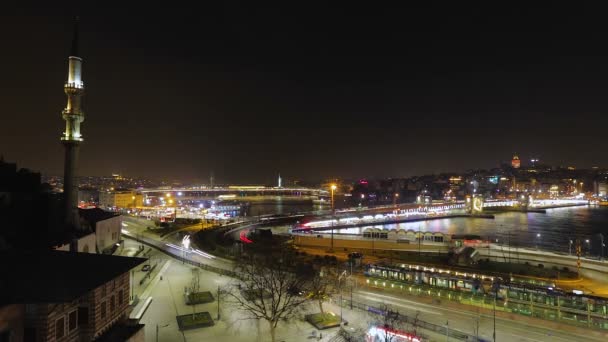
333, 188
570, 247
588, 246
333, 212
340, 286
537, 240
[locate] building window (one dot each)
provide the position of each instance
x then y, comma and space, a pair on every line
103, 310
59, 328
112, 304
121, 295
72, 319
83, 316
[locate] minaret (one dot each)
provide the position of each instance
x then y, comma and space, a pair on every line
71, 138
280, 181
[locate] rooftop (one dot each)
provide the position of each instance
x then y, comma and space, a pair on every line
95, 214
56, 276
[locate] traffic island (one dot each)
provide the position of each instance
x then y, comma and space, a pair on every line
199, 298
194, 321
325, 320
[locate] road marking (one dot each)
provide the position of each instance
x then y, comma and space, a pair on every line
501, 322
371, 297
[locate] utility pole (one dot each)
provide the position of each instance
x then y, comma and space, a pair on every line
494, 333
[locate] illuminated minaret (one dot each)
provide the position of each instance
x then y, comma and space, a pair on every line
71, 138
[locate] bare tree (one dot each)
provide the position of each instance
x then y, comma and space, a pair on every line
269, 288
321, 286
195, 285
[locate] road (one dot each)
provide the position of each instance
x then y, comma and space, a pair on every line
465, 321
171, 244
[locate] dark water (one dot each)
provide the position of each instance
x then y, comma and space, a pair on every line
556, 227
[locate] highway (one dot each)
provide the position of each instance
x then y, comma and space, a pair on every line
466, 321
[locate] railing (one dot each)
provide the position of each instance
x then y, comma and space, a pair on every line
414, 322
206, 267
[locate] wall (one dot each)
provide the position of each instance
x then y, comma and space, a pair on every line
103, 296
106, 199
12, 319
108, 232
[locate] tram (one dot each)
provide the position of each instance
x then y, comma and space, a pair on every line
513, 291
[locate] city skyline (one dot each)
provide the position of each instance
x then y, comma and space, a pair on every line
348, 94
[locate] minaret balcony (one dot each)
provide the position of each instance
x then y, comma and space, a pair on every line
74, 87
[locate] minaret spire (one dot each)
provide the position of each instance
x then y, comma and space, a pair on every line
71, 138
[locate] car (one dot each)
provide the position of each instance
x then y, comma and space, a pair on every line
145, 268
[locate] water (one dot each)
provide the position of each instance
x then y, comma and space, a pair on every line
556, 228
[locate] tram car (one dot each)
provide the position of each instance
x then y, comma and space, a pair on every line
513, 290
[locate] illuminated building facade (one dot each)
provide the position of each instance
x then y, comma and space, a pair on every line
515, 162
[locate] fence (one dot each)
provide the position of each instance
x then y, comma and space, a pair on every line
412, 321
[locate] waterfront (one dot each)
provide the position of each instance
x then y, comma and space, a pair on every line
552, 230
556, 228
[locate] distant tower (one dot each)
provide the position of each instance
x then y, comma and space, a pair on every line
211, 180
71, 138
280, 181
515, 162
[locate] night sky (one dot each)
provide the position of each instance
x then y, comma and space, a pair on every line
310, 92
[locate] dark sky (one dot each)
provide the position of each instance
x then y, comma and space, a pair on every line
175, 91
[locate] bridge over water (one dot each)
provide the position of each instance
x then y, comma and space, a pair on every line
245, 193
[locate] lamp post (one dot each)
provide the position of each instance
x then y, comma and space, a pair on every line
333, 211
537, 240
588, 246
340, 286
570, 247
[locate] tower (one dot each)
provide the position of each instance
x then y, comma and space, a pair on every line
71, 138
280, 181
515, 162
